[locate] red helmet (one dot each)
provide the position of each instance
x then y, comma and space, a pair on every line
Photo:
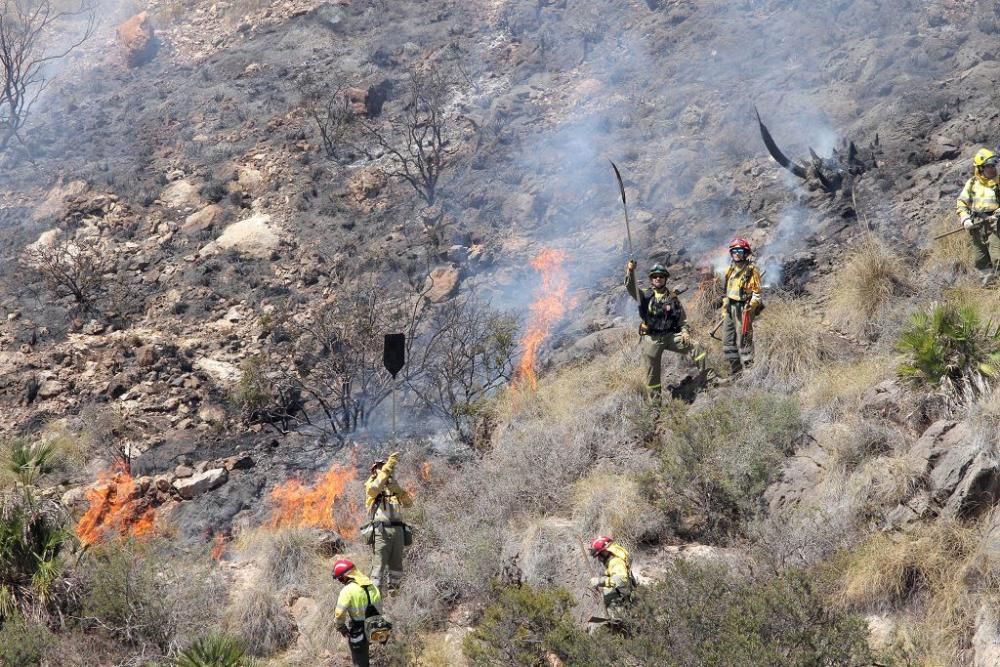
600, 543
739, 244
342, 567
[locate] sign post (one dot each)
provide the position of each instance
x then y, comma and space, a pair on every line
394, 358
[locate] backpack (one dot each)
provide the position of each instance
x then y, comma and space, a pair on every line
377, 627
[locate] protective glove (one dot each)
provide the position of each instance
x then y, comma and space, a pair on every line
344, 632
390, 464
597, 582
630, 267
755, 308
967, 223
718, 303
685, 337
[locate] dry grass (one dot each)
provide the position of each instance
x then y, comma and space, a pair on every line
286, 556
865, 288
951, 256
839, 386
939, 571
260, 618
791, 345
610, 503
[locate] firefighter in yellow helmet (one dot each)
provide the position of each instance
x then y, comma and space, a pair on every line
741, 303
664, 325
358, 600
977, 208
618, 582
383, 499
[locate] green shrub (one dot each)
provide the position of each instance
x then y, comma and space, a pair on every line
124, 596
22, 644
523, 626
214, 651
950, 346
707, 616
32, 539
718, 461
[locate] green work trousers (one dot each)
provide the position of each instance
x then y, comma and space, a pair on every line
737, 347
387, 562
986, 247
616, 602
653, 346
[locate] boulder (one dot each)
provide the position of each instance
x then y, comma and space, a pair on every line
206, 218
54, 204
212, 413
241, 461
50, 389
183, 471
986, 640
251, 181
180, 194
200, 483
146, 356
254, 237
441, 283
943, 148
138, 40
962, 474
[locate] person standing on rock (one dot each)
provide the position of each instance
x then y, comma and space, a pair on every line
740, 305
383, 500
618, 583
664, 325
977, 207
358, 600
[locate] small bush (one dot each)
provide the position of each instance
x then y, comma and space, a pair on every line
286, 556
717, 462
261, 620
607, 502
866, 286
939, 569
22, 643
214, 651
523, 626
950, 346
790, 346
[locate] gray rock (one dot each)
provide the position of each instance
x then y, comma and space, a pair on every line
200, 483
51, 389
986, 640
183, 471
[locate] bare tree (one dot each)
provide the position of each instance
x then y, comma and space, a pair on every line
466, 355
333, 117
31, 38
415, 141
69, 270
332, 379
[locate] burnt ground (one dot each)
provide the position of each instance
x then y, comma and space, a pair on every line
543, 94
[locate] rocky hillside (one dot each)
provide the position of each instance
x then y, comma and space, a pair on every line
214, 212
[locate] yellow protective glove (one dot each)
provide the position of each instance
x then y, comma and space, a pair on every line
390, 464
685, 337
597, 582
630, 267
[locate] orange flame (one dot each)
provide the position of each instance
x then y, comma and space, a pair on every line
548, 308
321, 505
116, 507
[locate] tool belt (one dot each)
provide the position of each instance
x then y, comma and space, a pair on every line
387, 524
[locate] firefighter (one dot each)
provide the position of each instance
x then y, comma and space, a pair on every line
664, 325
740, 304
977, 206
358, 599
618, 582
383, 500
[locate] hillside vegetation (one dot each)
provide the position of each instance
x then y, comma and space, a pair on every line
215, 212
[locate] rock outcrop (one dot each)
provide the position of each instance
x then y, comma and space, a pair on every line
138, 40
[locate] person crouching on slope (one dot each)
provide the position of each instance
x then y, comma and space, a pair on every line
383, 500
356, 598
618, 583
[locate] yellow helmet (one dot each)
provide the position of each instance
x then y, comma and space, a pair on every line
984, 156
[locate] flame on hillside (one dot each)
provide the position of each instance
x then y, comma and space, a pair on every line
117, 507
548, 308
323, 504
